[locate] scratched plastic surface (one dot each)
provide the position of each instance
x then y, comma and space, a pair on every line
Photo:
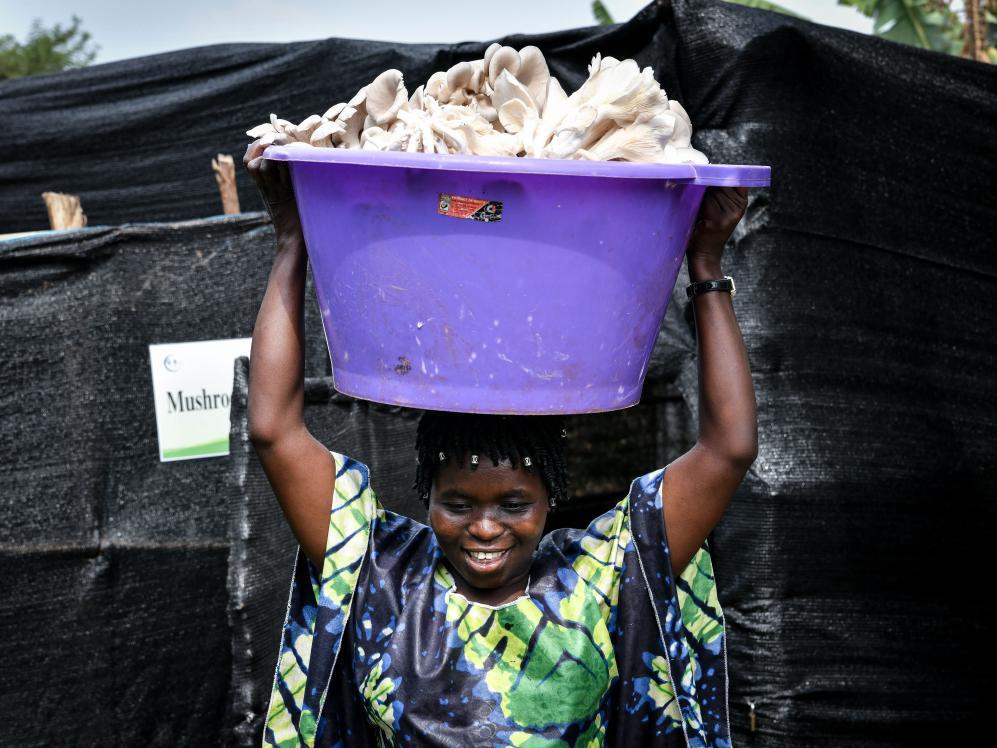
552, 308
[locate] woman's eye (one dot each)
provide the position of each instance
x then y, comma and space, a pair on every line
518, 507
456, 508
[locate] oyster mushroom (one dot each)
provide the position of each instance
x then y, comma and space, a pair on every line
373, 137
437, 87
419, 121
615, 95
534, 74
483, 105
555, 107
386, 94
280, 125
274, 138
492, 49
352, 119
260, 130
683, 125
644, 140
455, 140
415, 100
574, 132
334, 111
514, 115
477, 76
459, 76
325, 134
555, 100
302, 132
508, 104
508, 88
504, 58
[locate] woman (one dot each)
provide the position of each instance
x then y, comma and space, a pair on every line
472, 631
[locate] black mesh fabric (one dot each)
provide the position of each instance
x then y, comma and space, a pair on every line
134, 139
113, 602
851, 561
141, 599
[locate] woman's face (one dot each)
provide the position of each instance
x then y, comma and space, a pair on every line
489, 522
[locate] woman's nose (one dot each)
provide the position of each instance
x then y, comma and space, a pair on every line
485, 528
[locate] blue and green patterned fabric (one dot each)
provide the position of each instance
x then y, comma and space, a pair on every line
605, 647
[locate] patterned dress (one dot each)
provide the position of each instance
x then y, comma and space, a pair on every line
605, 648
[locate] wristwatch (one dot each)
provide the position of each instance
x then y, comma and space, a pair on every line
723, 284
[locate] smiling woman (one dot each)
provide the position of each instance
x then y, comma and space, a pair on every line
489, 483
488, 527
474, 631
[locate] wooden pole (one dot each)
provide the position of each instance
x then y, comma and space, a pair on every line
64, 211
224, 168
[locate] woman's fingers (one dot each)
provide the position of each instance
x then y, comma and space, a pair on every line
253, 151
272, 178
721, 210
730, 202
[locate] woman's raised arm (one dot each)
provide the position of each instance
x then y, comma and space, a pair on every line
699, 485
300, 469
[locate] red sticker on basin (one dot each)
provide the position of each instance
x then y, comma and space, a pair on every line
475, 208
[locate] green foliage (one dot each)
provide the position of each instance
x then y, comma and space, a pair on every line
921, 23
46, 50
602, 16
929, 24
991, 17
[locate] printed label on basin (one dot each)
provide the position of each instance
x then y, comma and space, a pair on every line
475, 208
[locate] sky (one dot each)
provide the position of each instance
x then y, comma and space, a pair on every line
133, 29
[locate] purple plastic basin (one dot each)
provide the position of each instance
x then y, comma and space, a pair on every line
551, 306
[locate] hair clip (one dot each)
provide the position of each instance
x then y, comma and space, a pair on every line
474, 459
443, 457
564, 433
553, 502
527, 462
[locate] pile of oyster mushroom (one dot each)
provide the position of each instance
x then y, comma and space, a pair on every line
506, 104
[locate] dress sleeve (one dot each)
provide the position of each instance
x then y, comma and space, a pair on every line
689, 679
603, 546
318, 610
354, 508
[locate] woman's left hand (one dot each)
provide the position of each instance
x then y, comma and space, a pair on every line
719, 213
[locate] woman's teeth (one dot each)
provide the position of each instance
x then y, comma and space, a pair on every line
485, 555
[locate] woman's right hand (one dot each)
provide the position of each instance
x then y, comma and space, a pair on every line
273, 180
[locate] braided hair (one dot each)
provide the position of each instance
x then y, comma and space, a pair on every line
535, 443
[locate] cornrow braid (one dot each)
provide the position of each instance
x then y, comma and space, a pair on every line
535, 443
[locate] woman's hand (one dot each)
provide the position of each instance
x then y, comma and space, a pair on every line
719, 213
273, 180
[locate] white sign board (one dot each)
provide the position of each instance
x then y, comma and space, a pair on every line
192, 388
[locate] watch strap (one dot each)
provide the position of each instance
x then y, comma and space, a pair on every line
721, 284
